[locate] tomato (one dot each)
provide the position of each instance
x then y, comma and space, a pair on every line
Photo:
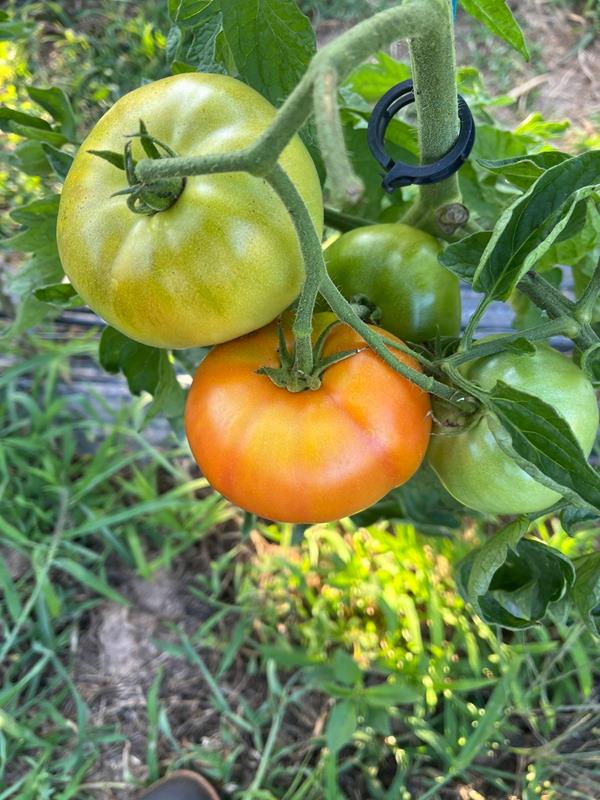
397, 267
224, 259
310, 456
472, 466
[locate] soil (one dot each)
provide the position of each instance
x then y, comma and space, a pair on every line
120, 650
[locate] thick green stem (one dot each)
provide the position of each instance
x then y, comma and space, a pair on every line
312, 254
587, 302
434, 78
544, 295
555, 327
556, 305
344, 183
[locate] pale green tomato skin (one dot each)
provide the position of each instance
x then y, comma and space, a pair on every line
471, 465
224, 259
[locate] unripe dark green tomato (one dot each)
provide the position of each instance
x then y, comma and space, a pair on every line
397, 268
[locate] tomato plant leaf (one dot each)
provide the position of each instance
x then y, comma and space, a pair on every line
586, 591
62, 295
147, 369
174, 39
423, 501
271, 41
41, 268
494, 143
191, 12
573, 518
178, 67
497, 16
528, 228
58, 105
511, 580
523, 171
462, 257
30, 158
58, 160
39, 134
340, 725
169, 395
487, 559
480, 195
9, 116
138, 362
203, 49
373, 79
541, 441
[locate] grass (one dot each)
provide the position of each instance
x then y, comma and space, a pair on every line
141, 630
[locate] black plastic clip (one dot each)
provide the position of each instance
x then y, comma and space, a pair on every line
397, 172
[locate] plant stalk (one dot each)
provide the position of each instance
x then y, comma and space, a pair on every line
317, 280
434, 78
587, 302
556, 305
414, 19
555, 327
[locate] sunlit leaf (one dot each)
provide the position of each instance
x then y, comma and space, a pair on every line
258, 33
497, 16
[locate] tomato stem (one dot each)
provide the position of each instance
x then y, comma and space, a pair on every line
434, 78
344, 184
427, 24
344, 312
314, 266
587, 302
554, 327
557, 306
317, 280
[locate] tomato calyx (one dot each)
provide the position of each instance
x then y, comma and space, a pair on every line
289, 376
366, 309
451, 421
144, 198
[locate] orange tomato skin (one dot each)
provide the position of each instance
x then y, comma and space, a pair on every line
310, 456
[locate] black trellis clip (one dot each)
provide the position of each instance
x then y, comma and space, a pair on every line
399, 173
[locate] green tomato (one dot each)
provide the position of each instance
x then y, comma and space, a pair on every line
471, 464
397, 268
224, 259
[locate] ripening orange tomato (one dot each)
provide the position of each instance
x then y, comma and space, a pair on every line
309, 456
